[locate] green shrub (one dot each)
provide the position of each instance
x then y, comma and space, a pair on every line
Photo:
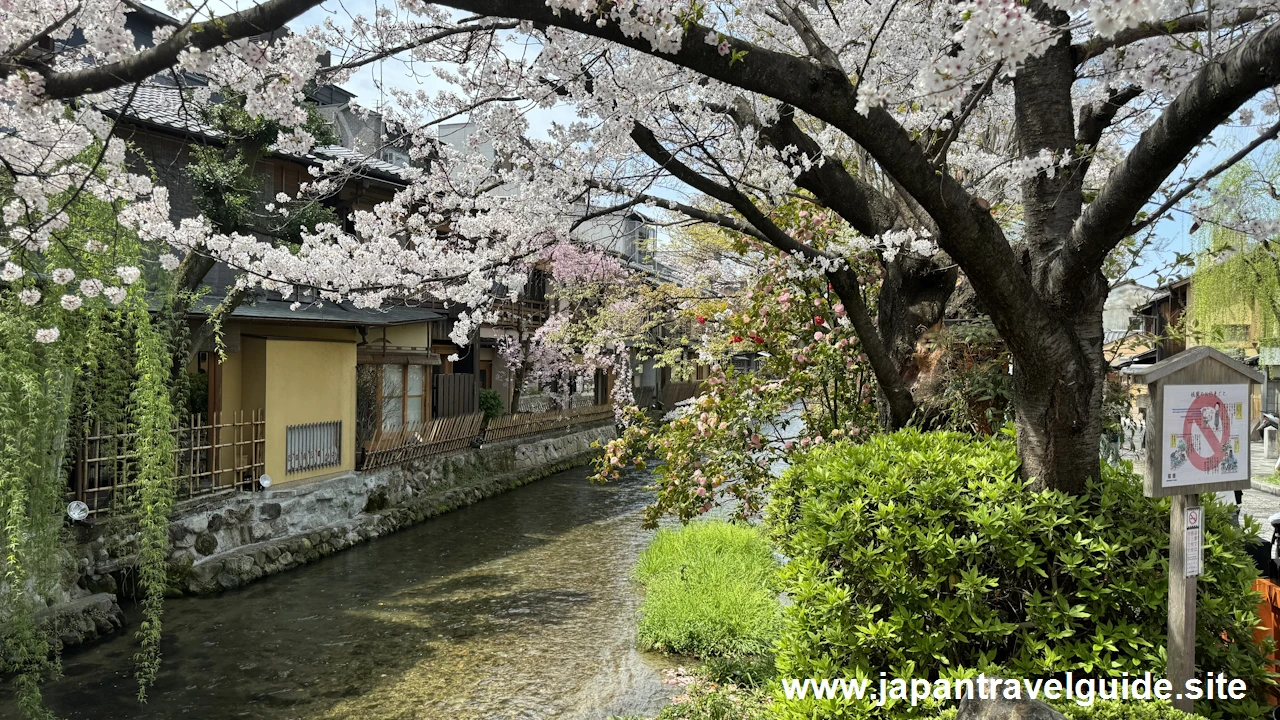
490, 403
709, 589
1121, 710
925, 555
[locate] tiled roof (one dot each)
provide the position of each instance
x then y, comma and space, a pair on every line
273, 308
167, 106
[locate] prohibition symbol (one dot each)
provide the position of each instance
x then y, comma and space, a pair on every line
1215, 426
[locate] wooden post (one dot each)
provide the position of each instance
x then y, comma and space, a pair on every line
1182, 603
1197, 442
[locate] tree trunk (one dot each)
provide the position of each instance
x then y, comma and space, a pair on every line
517, 387
1058, 414
1057, 386
913, 299
895, 395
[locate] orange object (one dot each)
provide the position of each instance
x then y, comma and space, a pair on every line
1269, 613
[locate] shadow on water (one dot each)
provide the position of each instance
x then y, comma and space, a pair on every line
519, 606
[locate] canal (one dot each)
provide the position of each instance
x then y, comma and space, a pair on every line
520, 606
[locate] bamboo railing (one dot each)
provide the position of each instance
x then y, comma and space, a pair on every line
418, 440
210, 454
522, 424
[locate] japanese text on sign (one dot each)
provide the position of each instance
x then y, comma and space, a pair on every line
1205, 431
1194, 541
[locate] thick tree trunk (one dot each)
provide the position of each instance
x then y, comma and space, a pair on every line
1058, 409
1058, 384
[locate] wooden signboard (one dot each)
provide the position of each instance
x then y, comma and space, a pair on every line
1197, 442
1198, 427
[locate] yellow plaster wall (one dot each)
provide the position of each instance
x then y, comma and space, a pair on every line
403, 335
307, 382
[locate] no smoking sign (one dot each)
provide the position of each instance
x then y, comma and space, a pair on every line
1209, 420
1205, 426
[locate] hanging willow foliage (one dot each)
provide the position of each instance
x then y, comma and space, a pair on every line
153, 413
110, 364
1237, 277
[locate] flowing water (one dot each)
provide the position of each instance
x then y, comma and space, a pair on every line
520, 606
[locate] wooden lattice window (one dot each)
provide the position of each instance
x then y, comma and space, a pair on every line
402, 396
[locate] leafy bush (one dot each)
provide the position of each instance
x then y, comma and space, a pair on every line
709, 590
1121, 710
925, 555
490, 403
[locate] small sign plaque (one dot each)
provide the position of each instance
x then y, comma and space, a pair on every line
1194, 541
1206, 434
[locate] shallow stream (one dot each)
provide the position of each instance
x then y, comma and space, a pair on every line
520, 606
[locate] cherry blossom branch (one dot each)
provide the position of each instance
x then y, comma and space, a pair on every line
1218, 90
1200, 182
1198, 22
17, 50
695, 213
266, 17
417, 42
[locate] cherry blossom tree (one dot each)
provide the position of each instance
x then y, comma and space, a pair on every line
1020, 144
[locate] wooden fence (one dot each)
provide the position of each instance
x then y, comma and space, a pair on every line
522, 424
676, 392
209, 456
454, 394
421, 439
645, 396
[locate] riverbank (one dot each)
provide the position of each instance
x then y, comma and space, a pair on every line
223, 542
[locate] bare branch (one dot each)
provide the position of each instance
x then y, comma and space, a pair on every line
1190, 187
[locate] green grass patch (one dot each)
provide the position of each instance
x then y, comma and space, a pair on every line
709, 590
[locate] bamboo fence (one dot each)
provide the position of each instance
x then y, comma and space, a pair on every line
417, 440
523, 424
210, 454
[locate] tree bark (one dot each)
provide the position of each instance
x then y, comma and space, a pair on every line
1058, 414
913, 299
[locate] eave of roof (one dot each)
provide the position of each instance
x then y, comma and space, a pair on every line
328, 313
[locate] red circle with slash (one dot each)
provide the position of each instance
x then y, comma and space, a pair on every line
1217, 443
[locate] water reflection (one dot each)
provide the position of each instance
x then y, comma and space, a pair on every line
518, 607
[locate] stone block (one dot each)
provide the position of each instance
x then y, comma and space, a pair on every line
206, 543
1001, 709
269, 511
1270, 449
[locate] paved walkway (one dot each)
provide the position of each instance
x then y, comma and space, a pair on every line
1263, 500
1260, 502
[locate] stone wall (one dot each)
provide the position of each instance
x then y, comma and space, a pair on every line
222, 542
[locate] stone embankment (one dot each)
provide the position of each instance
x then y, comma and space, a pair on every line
223, 542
